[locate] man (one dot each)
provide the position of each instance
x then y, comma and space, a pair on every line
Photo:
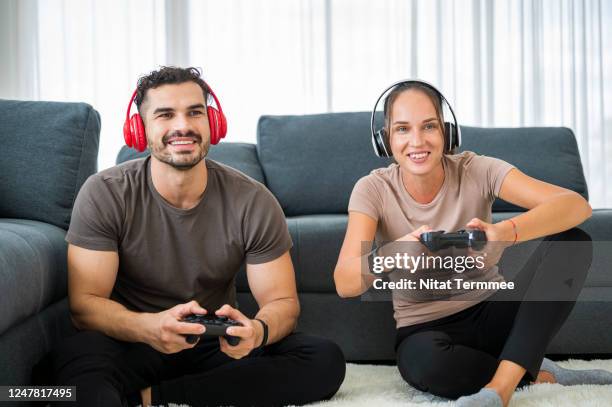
156, 239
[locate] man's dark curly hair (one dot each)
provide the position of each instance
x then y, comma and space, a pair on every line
168, 75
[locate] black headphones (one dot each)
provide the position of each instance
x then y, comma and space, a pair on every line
380, 139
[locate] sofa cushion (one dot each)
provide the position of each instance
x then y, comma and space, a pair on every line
547, 153
312, 162
316, 244
32, 268
240, 156
317, 240
598, 283
328, 153
48, 151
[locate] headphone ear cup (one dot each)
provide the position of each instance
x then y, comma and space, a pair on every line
379, 142
138, 135
217, 124
127, 133
212, 125
450, 137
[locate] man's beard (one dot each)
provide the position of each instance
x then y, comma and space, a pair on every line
171, 159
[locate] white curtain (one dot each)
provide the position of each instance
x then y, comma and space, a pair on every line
82, 51
500, 63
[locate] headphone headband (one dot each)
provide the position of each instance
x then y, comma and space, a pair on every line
452, 143
129, 108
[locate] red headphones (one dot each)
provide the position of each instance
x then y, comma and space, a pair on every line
134, 131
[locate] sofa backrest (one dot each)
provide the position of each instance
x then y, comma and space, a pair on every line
241, 156
547, 153
312, 162
48, 151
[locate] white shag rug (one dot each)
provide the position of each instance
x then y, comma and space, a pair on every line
382, 386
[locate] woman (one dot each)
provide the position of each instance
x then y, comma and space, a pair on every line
477, 349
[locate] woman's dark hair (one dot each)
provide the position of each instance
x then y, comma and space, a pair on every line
168, 75
429, 92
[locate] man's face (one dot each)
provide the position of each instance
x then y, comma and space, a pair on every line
417, 140
176, 124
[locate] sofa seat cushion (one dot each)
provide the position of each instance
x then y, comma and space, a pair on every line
316, 245
598, 284
317, 240
32, 268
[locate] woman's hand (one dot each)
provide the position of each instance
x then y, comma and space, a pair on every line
496, 232
414, 236
499, 236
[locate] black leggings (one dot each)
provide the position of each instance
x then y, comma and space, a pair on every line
296, 370
459, 354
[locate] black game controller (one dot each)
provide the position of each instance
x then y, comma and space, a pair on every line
434, 241
215, 326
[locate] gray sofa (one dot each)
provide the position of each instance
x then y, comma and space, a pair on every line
48, 151
311, 163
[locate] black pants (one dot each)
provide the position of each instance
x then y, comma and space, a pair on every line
106, 372
459, 354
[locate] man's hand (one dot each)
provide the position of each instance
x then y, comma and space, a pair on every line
250, 333
166, 332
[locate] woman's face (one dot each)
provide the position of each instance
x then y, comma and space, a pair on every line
416, 139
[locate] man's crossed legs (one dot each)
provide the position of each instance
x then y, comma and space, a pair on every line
296, 370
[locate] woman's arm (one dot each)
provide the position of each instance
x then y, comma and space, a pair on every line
350, 281
551, 209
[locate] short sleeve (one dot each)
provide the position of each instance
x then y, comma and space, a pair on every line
265, 228
366, 199
96, 217
490, 173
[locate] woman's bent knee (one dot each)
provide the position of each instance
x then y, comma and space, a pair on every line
420, 358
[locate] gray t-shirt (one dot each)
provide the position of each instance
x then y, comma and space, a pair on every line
471, 184
169, 255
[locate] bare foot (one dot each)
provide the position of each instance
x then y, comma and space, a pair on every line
545, 377
146, 397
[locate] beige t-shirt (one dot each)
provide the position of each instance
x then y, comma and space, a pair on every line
169, 255
471, 184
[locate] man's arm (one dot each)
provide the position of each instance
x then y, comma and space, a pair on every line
273, 286
91, 277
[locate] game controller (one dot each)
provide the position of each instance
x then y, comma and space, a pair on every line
215, 326
437, 240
